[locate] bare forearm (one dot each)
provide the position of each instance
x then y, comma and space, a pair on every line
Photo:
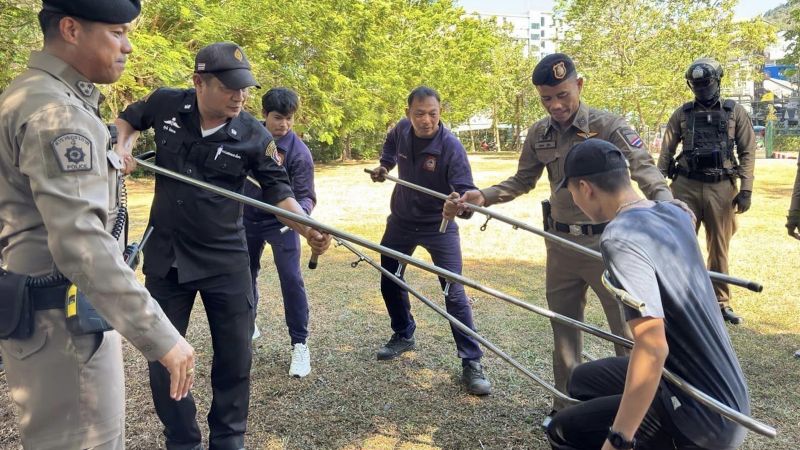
291, 205
126, 135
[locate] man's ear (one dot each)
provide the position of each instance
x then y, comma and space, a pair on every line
197, 80
70, 29
586, 189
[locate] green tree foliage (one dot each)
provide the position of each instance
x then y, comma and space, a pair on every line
352, 62
19, 33
791, 24
634, 53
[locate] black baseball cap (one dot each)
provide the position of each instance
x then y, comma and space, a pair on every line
591, 157
106, 11
553, 69
227, 62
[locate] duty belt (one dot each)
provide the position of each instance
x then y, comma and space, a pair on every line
702, 177
580, 229
51, 297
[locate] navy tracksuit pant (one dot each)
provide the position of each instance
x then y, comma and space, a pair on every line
286, 254
445, 251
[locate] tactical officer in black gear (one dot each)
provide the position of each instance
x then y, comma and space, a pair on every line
719, 147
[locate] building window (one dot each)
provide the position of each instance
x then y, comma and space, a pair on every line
542, 33
534, 26
534, 37
542, 19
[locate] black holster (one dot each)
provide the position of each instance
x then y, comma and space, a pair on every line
16, 307
546, 214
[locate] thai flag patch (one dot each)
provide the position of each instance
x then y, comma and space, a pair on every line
632, 138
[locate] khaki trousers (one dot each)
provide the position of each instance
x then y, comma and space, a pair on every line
69, 390
569, 275
712, 203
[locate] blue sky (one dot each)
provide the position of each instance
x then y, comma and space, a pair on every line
745, 8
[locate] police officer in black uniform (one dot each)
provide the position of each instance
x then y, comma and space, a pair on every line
198, 243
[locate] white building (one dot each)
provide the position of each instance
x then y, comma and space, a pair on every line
537, 30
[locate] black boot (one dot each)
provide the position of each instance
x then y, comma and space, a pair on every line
729, 316
396, 346
473, 377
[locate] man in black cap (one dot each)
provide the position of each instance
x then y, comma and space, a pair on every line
650, 251
569, 274
59, 224
198, 243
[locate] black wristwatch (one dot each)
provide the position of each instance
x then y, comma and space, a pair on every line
617, 440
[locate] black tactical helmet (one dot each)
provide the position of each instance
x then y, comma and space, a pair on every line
703, 77
703, 70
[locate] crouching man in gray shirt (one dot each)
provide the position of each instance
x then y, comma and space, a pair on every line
650, 250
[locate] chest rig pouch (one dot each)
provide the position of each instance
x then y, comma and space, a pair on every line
16, 307
707, 145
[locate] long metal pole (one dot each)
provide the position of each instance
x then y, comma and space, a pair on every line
446, 274
402, 257
491, 214
457, 323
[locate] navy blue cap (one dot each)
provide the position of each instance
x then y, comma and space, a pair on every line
226, 61
553, 69
591, 157
106, 11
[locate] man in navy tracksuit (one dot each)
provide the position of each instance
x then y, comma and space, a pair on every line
429, 155
279, 106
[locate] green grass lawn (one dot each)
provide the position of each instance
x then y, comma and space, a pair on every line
351, 401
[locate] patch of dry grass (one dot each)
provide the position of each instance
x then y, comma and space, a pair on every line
352, 401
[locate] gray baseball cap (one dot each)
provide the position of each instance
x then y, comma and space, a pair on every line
227, 62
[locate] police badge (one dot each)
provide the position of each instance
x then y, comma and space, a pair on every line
559, 70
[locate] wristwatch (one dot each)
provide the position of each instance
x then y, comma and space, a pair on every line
618, 441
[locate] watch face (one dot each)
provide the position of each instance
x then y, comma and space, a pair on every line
618, 441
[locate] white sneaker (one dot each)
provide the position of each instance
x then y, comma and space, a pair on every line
301, 361
256, 333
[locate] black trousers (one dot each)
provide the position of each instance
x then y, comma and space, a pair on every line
599, 385
228, 301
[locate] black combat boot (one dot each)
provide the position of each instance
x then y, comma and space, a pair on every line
473, 377
396, 346
729, 316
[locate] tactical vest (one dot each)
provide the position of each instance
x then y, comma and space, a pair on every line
707, 145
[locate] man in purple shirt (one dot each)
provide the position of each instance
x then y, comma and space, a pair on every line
428, 154
279, 106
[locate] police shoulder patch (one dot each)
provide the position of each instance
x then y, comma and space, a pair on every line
632, 138
73, 152
272, 151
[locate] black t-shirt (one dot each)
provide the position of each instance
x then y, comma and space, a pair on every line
198, 231
419, 144
653, 254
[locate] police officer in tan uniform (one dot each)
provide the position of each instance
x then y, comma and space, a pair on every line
569, 274
793, 216
706, 170
57, 203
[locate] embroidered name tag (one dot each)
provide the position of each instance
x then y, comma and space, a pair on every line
73, 152
540, 145
222, 151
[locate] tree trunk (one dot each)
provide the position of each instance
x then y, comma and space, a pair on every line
346, 150
495, 129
